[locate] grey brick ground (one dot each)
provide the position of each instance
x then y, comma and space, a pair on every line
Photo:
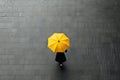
92, 25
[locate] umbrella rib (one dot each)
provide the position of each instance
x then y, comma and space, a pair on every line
56, 47
62, 48
51, 44
65, 43
66, 46
54, 50
63, 39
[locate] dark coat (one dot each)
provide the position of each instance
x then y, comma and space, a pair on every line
60, 57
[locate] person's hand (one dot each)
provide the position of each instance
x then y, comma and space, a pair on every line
66, 51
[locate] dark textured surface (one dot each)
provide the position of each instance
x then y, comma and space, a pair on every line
92, 25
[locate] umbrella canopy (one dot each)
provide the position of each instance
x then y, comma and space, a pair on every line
58, 42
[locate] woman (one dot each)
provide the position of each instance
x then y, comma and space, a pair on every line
60, 58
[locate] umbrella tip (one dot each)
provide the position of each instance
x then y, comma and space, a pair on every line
58, 40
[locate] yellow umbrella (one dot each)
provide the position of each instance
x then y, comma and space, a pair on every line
58, 42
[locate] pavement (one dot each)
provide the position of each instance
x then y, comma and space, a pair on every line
92, 25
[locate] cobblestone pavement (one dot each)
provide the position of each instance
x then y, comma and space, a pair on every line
92, 25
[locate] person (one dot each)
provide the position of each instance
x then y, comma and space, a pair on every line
60, 58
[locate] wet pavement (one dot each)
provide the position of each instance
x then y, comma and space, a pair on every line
92, 25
